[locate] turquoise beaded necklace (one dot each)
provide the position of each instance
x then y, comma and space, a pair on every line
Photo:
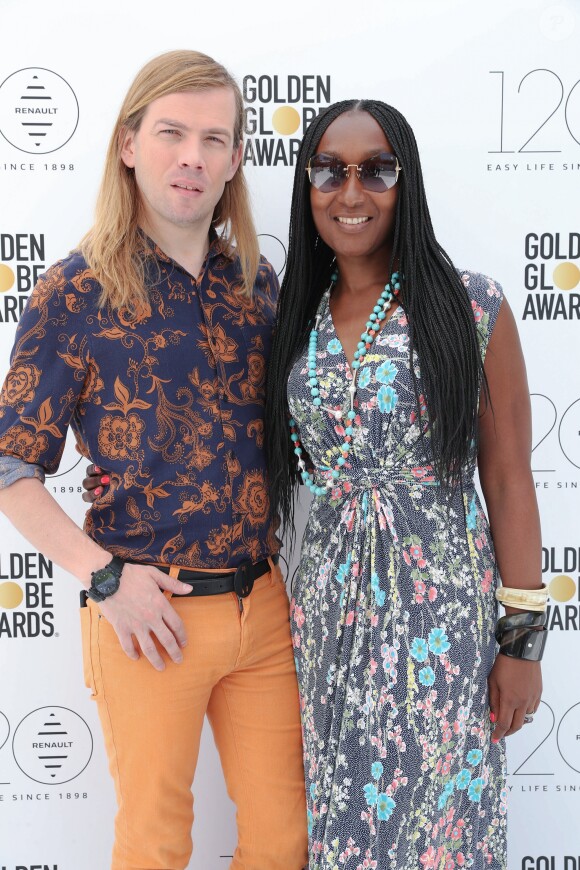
372, 327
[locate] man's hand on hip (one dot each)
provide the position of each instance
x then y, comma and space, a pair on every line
139, 611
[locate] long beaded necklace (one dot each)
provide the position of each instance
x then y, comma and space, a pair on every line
372, 327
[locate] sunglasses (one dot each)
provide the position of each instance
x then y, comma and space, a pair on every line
377, 173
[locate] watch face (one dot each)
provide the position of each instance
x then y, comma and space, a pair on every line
106, 581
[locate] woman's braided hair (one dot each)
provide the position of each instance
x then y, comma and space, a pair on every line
442, 329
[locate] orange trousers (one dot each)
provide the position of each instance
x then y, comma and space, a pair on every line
238, 669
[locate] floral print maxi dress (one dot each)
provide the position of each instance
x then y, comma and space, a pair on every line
392, 616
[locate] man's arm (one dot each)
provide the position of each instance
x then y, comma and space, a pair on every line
37, 401
137, 610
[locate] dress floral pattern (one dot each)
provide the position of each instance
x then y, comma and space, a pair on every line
392, 617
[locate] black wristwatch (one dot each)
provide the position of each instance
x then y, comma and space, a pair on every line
105, 581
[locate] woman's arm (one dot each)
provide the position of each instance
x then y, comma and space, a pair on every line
505, 442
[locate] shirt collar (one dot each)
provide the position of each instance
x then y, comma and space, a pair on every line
217, 248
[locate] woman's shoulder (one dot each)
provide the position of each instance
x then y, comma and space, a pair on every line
481, 288
486, 296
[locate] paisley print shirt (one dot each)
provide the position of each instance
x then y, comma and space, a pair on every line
171, 403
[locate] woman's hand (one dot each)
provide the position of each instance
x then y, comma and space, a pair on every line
94, 483
515, 688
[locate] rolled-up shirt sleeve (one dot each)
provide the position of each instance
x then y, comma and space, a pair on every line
13, 469
48, 366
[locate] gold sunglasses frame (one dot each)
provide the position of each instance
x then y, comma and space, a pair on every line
357, 166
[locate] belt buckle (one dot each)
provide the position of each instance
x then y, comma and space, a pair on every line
243, 584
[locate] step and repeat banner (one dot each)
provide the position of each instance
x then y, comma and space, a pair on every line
493, 93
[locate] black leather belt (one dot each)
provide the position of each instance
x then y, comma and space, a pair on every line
240, 581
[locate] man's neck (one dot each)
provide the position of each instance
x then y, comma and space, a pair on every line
188, 246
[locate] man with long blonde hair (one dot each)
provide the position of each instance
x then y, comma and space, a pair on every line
151, 342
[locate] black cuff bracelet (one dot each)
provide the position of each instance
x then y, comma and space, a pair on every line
524, 643
524, 619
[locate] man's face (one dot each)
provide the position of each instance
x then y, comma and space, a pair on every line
183, 154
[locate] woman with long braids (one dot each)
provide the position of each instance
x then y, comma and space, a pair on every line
392, 374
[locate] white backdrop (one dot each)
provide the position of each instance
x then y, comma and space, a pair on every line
493, 93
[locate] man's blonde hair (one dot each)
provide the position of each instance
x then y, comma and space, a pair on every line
111, 248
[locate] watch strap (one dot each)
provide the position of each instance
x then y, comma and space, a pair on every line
116, 565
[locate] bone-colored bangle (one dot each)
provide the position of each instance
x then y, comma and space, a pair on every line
523, 599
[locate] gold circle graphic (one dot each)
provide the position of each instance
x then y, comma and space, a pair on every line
566, 276
11, 595
562, 588
6, 278
286, 120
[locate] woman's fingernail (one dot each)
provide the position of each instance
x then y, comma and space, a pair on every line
97, 469
98, 490
495, 739
492, 717
105, 479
